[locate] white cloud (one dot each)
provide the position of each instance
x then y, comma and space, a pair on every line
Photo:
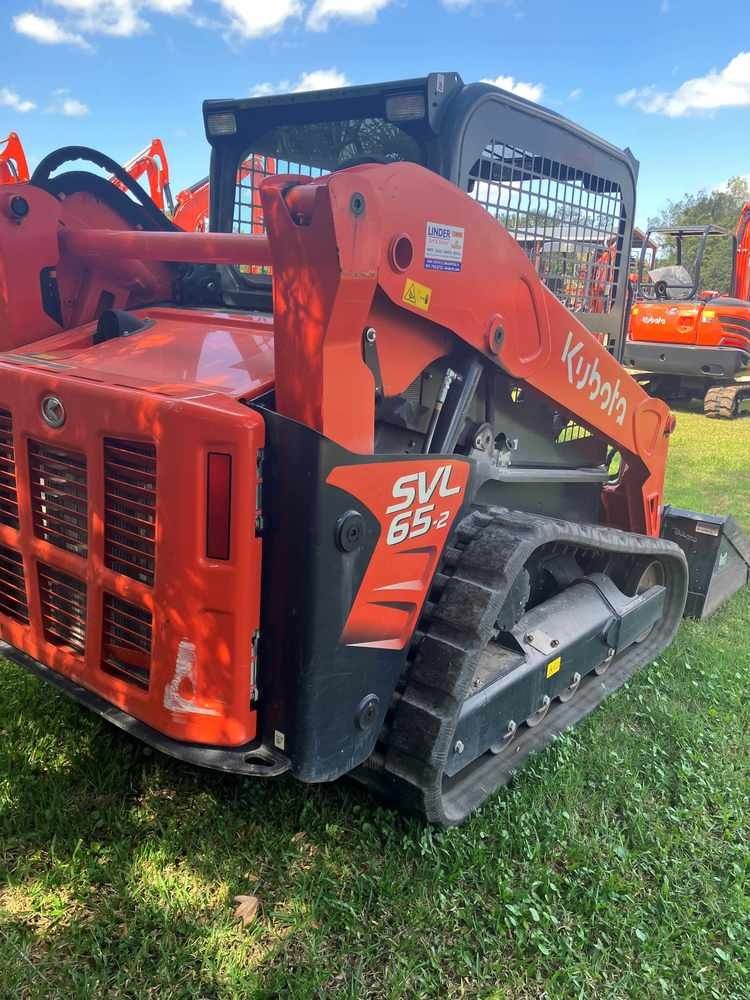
514, 6
118, 18
725, 88
10, 99
325, 11
317, 79
575, 93
531, 91
254, 18
63, 104
46, 30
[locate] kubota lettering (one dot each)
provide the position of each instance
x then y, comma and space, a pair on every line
585, 376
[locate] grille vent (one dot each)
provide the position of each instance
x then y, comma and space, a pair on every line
126, 641
8, 492
59, 497
13, 601
63, 600
130, 508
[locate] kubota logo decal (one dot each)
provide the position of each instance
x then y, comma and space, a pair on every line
586, 377
655, 320
415, 511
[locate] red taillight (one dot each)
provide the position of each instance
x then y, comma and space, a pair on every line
218, 503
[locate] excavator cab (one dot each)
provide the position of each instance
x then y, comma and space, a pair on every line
687, 342
680, 280
566, 196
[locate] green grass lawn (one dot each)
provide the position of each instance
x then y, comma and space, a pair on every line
617, 865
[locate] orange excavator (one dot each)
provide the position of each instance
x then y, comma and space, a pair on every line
189, 210
688, 343
13, 164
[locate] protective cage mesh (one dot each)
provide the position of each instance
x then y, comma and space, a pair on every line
569, 222
248, 211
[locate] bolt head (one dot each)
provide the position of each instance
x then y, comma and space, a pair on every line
349, 530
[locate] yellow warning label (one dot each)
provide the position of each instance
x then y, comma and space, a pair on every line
417, 295
553, 666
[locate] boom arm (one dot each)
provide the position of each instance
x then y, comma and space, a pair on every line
353, 252
152, 161
13, 166
742, 270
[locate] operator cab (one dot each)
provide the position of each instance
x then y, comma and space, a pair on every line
683, 249
567, 196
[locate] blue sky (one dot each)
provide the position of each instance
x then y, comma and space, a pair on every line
669, 78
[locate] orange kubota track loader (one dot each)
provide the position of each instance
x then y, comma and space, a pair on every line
358, 516
687, 343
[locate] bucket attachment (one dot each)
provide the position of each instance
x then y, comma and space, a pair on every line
718, 555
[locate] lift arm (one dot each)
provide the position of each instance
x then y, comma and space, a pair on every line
365, 249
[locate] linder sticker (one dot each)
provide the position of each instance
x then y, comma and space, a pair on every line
443, 247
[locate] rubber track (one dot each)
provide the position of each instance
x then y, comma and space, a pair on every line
488, 551
723, 402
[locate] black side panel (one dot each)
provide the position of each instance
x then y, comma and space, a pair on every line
321, 703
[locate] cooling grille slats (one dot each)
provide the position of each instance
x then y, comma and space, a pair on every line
126, 641
8, 490
63, 601
130, 508
13, 599
59, 497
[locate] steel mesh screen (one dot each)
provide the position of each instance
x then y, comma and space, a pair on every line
569, 222
248, 211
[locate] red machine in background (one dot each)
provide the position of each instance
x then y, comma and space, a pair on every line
690, 343
189, 210
13, 165
152, 163
193, 204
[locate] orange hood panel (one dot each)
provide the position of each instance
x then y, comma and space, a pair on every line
180, 351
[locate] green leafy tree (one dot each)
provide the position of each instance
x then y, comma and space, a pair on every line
720, 208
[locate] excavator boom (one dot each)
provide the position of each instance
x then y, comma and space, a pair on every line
741, 288
152, 163
13, 165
